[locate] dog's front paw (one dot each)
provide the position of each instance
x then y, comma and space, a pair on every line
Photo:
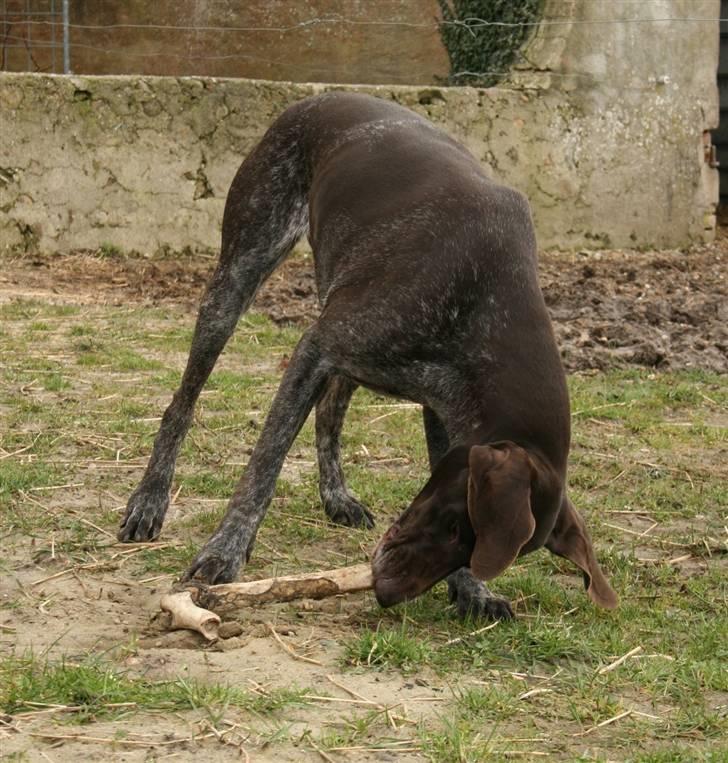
217, 562
144, 514
473, 599
347, 511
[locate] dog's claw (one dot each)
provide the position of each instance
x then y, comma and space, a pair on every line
210, 571
144, 516
349, 513
473, 599
216, 563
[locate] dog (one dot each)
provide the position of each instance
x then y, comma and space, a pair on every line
426, 272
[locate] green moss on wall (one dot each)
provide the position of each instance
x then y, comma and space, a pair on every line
480, 53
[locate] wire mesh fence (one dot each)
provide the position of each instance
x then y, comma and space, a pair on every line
349, 41
344, 41
34, 35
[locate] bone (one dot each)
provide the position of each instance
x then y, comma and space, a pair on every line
186, 613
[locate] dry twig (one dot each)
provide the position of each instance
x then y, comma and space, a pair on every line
617, 663
290, 651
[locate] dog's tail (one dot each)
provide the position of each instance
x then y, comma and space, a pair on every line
266, 211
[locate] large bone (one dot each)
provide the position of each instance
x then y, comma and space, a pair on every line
186, 613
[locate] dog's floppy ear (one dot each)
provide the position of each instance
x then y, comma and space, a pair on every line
570, 539
499, 506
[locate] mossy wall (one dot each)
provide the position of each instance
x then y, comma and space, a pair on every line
483, 37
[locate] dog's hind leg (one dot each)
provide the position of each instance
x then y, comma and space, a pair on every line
340, 506
265, 214
232, 542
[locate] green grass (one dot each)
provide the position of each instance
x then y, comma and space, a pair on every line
32, 309
170, 560
457, 740
107, 249
387, 646
15, 477
95, 689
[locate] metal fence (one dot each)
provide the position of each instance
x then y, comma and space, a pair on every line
32, 46
330, 40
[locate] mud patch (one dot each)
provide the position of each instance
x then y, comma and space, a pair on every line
667, 310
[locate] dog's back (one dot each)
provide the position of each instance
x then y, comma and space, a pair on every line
388, 188
430, 263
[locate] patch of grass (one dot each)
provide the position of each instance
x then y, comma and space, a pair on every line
82, 329
126, 359
16, 476
91, 359
203, 523
91, 352
235, 383
107, 249
371, 729
388, 647
211, 484
172, 560
486, 702
177, 339
94, 690
32, 309
55, 382
456, 740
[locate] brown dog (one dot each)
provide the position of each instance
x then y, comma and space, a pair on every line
426, 273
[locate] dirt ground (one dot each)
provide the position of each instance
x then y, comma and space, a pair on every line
661, 309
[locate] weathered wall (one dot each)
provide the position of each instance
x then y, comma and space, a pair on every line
638, 85
603, 132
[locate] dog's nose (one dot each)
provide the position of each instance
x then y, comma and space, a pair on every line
386, 596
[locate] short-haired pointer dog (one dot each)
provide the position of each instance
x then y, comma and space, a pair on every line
427, 277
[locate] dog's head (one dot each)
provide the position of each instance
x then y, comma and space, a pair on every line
475, 511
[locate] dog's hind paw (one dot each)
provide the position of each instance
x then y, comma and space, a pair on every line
347, 511
144, 515
473, 598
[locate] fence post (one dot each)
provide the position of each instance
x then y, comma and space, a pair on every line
66, 40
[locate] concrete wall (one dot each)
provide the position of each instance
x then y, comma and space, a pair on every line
603, 130
639, 88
